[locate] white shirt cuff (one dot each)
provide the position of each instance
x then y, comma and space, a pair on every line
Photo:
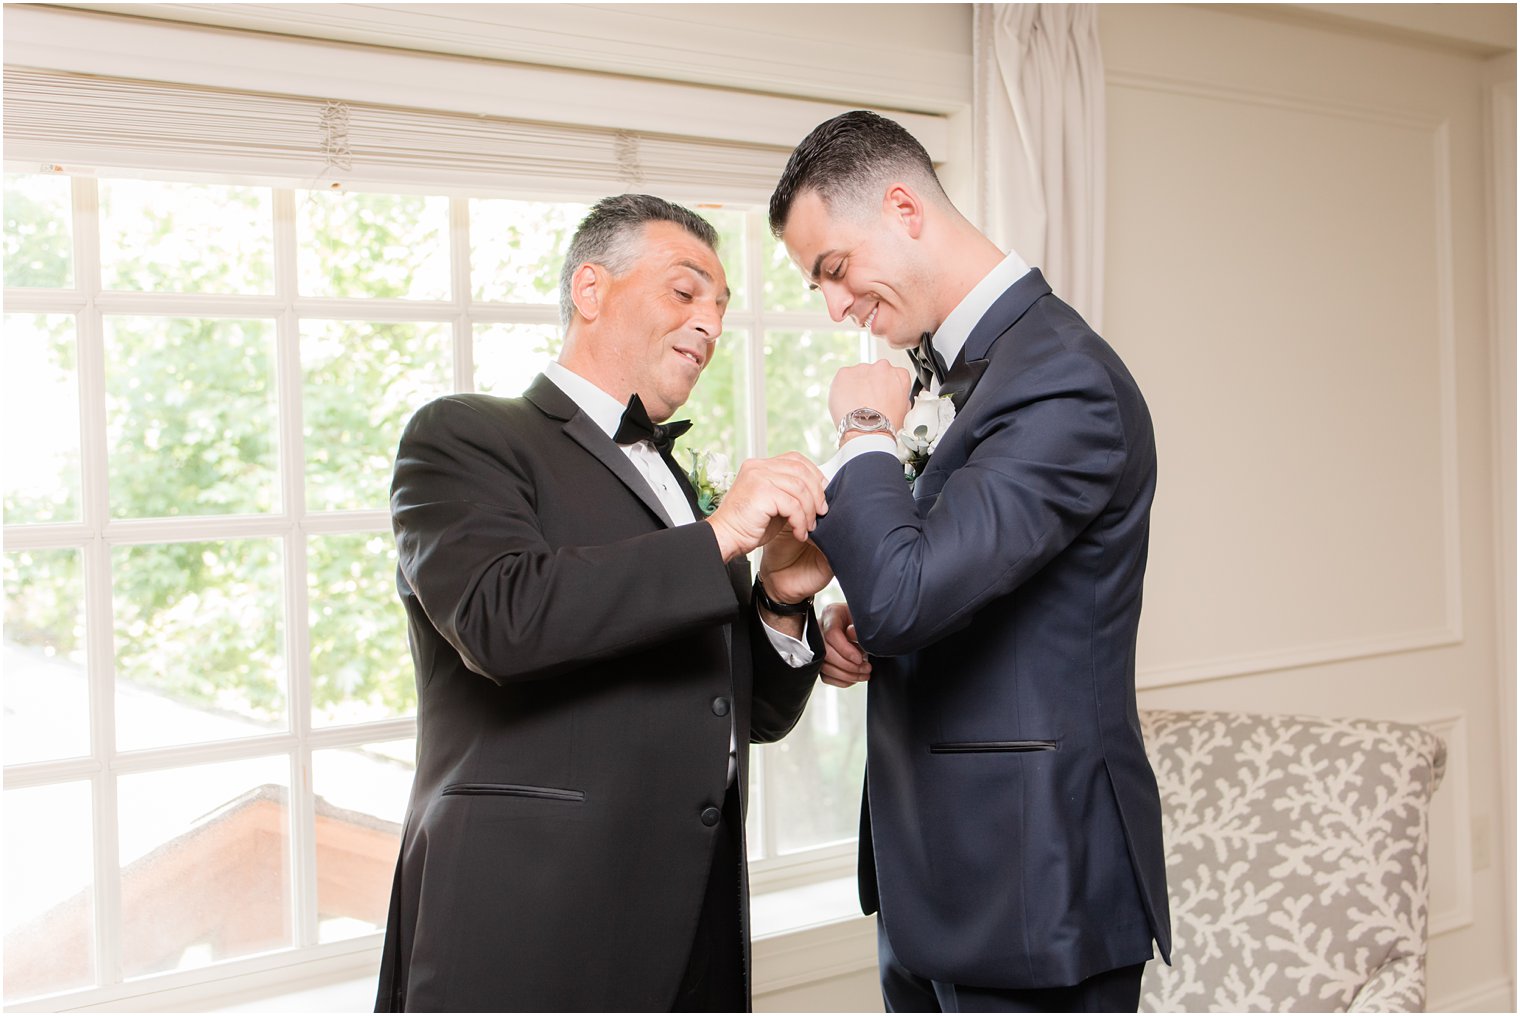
793, 652
856, 447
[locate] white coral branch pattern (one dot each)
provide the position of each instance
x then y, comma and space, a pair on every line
1296, 853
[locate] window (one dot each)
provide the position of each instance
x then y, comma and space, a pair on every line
210, 705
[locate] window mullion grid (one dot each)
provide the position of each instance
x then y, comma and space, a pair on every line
292, 471
100, 650
754, 377
459, 275
754, 373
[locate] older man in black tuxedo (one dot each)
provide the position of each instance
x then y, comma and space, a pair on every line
592, 659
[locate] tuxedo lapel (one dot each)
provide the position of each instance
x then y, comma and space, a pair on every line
1005, 312
961, 378
580, 428
684, 482
589, 436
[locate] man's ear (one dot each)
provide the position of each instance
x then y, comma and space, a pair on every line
588, 287
903, 207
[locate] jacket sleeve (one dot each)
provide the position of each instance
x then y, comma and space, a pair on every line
1046, 454
780, 690
472, 551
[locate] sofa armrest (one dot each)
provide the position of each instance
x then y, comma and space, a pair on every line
1396, 986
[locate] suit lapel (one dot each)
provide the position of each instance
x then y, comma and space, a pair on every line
684, 482
580, 428
1005, 312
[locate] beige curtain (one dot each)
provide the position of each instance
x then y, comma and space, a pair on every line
1040, 142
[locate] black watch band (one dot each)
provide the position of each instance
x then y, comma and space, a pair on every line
784, 609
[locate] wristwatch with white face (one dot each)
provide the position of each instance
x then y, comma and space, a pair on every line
864, 421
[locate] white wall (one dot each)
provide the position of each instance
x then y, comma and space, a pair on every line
1298, 274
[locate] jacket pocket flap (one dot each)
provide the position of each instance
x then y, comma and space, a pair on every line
975, 747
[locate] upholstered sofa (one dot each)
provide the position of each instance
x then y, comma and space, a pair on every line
1296, 861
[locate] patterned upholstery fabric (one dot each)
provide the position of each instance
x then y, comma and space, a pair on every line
1296, 861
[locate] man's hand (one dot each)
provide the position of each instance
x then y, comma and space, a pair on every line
768, 495
878, 385
793, 571
844, 662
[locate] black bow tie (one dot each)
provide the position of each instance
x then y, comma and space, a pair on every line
928, 363
636, 426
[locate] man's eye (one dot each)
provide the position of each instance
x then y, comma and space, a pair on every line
683, 295
837, 271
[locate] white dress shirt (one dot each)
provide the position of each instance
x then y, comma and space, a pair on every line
606, 412
949, 337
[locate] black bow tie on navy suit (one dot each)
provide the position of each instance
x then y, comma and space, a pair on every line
636, 426
929, 364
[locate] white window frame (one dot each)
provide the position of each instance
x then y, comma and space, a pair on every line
53, 39
98, 533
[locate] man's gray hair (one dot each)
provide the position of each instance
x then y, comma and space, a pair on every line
612, 233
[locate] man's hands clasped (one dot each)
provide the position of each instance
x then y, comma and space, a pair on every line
769, 496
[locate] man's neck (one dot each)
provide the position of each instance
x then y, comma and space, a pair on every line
963, 260
588, 369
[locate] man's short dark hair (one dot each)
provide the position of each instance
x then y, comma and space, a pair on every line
609, 236
843, 157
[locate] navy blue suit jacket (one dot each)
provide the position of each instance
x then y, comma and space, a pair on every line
1011, 835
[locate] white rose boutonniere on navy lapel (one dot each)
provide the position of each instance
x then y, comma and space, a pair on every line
711, 475
926, 422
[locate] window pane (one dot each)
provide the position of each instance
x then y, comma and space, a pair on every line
719, 405
732, 251
47, 702
205, 864
49, 890
42, 473
816, 772
200, 651
785, 288
39, 230
190, 416
373, 245
363, 382
509, 357
185, 237
360, 667
518, 247
361, 803
799, 366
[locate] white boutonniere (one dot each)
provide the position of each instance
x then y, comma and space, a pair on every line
922, 428
711, 475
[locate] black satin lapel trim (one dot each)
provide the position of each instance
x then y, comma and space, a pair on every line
961, 380
550, 400
1005, 312
581, 429
684, 481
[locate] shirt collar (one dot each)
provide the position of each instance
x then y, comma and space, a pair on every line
605, 411
956, 329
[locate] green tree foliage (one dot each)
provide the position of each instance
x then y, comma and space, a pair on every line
192, 430
39, 240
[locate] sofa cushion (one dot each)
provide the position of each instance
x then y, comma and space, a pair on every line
1296, 861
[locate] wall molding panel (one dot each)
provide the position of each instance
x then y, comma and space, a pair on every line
1451, 823
1398, 629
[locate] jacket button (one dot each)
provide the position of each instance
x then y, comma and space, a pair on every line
710, 816
720, 706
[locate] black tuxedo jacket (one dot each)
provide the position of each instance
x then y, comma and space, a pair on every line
579, 663
1011, 835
